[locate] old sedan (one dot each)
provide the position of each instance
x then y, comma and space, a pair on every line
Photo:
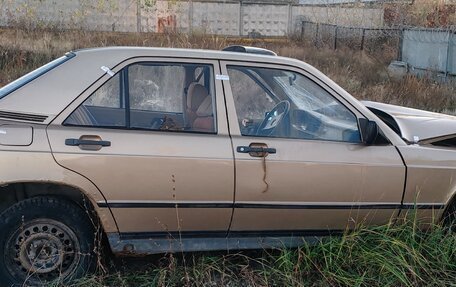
164, 150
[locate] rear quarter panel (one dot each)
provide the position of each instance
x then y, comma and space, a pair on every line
35, 163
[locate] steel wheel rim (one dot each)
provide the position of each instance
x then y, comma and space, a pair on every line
42, 250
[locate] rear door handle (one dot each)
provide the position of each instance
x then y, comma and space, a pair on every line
79, 142
256, 150
88, 142
248, 149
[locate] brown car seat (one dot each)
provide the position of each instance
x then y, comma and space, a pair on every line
199, 109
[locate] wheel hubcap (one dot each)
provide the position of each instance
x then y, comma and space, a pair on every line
42, 250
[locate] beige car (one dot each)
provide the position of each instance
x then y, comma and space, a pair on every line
165, 150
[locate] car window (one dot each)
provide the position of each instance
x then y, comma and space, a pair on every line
104, 108
281, 103
155, 96
251, 99
171, 97
157, 87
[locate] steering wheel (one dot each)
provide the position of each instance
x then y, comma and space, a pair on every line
273, 119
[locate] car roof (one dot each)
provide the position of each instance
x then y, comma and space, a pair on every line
181, 53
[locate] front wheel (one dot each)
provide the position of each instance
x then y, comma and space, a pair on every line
44, 240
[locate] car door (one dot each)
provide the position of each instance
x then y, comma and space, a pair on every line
152, 136
300, 163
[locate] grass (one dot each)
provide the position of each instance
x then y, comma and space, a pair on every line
391, 255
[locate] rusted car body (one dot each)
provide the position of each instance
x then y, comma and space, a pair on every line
183, 150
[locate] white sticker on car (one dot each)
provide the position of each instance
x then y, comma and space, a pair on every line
2, 132
222, 77
108, 71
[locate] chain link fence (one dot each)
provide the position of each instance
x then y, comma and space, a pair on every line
355, 37
423, 49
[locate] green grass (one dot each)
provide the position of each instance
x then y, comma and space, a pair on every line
391, 255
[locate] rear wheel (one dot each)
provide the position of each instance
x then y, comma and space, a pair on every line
44, 240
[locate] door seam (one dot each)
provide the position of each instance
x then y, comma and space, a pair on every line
232, 150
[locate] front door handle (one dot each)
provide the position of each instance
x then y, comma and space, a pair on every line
256, 150
78, 142
87, 142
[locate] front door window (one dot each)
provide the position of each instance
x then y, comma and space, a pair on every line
285, 104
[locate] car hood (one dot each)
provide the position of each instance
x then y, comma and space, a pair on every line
413, 125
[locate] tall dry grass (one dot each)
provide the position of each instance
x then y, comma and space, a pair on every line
362, 73
391, 255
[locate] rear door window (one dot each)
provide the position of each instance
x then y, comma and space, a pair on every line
153, 96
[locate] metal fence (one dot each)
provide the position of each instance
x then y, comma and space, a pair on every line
356, 37
424, 50
429, 50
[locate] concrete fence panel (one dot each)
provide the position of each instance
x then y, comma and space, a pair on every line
165, 16
87, 15
270, 20
110, 16
216, 18
425, 49
213, 17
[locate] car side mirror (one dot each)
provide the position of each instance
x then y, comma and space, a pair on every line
369, 131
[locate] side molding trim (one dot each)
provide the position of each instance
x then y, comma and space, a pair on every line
147, 204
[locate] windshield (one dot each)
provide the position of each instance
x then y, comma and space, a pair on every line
11, 87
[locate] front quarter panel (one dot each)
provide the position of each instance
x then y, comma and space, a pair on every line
431, 179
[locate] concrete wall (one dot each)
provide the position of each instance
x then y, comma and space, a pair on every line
213, 17
84, 14
271, 20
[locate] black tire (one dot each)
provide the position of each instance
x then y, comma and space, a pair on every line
43, 240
